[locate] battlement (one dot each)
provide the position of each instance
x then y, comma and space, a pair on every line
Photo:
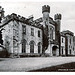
46, 8
13, 16
57, 16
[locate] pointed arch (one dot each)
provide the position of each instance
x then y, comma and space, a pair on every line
32, 43
24, 42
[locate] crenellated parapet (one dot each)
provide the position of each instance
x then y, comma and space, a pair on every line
57, 16
46, 8
19, 18
13, 16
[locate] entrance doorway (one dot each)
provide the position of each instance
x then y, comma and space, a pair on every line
54, 50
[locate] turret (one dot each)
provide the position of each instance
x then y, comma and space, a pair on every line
45, 11
57, 18
1, 13
46, 8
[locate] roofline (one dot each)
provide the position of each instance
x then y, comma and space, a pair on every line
12, 19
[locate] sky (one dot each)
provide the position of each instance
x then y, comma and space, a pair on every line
66, 9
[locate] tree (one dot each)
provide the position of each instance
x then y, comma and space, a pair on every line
1, 41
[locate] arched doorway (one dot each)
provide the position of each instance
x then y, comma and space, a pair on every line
23, 46
54, 49
39, 47
32, 46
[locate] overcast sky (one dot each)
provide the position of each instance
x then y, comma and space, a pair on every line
67, 9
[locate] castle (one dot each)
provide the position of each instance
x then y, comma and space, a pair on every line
25, 36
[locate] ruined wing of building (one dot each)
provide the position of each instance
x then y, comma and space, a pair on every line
25, 36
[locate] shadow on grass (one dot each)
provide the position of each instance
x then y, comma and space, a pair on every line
1, 59
68, 67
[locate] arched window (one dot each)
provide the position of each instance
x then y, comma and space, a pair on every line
70, 51
39, 47
32, 46
23, 46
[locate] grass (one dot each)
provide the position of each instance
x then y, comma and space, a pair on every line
68, 67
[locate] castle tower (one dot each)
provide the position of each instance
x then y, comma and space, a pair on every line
57, 18
45, 11
46, 29
1, 13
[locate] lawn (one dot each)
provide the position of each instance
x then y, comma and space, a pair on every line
68, 67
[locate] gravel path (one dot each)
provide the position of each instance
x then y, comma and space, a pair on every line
26, 64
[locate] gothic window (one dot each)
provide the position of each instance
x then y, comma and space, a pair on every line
70, 40
24, 29
23, 46
39, 47
70, 51
73, 48
32, 32
62, 40
38, 33
51, 33
31, 46
62, 50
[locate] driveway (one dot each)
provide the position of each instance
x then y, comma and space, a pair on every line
31, 63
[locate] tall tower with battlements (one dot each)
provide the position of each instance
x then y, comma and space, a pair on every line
45, 11
57, 18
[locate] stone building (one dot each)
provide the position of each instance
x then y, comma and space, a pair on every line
20, 37
69, 42
62, 45
74, 44
25, 36
53, 31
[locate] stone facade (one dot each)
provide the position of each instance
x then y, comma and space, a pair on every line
18, 37
27, 36
63, 45
69, 42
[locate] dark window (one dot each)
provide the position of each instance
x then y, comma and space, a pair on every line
32, 47
70, 40
24, 29
70, 51
62, 50
32, 32
73, 48
39, 47
62, 40
38, 33
23, 46
69, 46
51, 33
